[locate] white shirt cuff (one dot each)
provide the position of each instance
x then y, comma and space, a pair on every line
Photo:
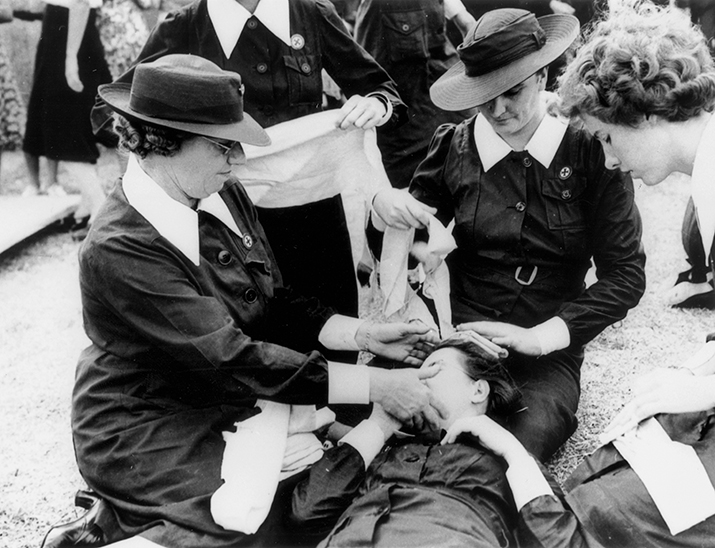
348, 383
367, 438
388, 106
552, 335
526, 481
339, 331
452, 8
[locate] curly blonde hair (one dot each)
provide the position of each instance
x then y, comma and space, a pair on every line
144, 139
640, 60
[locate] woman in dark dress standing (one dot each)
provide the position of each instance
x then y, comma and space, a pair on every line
58, 115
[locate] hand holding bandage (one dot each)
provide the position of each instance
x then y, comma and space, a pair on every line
401, 302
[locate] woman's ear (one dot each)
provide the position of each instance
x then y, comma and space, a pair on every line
542, 76
480, 391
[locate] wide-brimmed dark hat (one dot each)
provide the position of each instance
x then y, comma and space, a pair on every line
188, 93
504, 48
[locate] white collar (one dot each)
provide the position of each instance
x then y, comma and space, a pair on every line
542, 145
703, 185
229, 17
173, 220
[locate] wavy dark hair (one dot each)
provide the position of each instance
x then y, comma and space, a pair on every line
504, 396
143, 139
640, 60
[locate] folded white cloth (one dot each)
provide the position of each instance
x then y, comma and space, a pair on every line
401, 302
271, 446
309, 159
671, 472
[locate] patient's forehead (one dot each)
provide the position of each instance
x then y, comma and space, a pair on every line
446, 356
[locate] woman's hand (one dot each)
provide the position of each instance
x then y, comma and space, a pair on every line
662, 391
491, 435
403, 395
410, 343
72, 74
562, 8
506, 335
399, 209
361, 112
430, 261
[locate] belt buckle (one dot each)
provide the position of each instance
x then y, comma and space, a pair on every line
517, 275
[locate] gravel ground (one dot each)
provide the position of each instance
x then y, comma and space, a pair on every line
41, 336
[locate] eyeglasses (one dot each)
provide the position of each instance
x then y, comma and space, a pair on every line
226, 149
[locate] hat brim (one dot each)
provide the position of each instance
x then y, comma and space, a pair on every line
454, 90
248, 131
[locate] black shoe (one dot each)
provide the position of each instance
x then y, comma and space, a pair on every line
82, 532
701, 300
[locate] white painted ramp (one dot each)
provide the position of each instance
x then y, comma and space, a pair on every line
21, 217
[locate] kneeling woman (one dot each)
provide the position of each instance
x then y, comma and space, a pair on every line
188, 318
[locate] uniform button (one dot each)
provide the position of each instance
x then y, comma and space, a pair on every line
405, 27
412, 458
252, 24
305, 67
250, 295
566, 194
527, 162
261, 68
268, 110
224, 257
520, 206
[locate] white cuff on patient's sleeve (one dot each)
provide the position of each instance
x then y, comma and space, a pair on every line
552, 335
339, 331
526, 481
348, 383
367, 438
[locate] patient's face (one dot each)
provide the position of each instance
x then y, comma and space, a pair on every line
452, 385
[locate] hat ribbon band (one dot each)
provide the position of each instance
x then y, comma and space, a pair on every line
196, 114
529, 44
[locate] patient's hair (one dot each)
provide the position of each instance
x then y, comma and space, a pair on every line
640, 60
504, 396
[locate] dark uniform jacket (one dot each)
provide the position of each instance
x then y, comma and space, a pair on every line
179, 353
409, 39
607, 505
282, 82
412, 494
457, 495
549, 221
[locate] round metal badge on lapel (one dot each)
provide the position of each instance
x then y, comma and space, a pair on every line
247, 241
565, 173
297, 41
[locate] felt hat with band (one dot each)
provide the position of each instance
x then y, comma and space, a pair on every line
504, 48
188, 93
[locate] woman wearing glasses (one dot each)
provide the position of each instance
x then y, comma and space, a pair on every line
189, 320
